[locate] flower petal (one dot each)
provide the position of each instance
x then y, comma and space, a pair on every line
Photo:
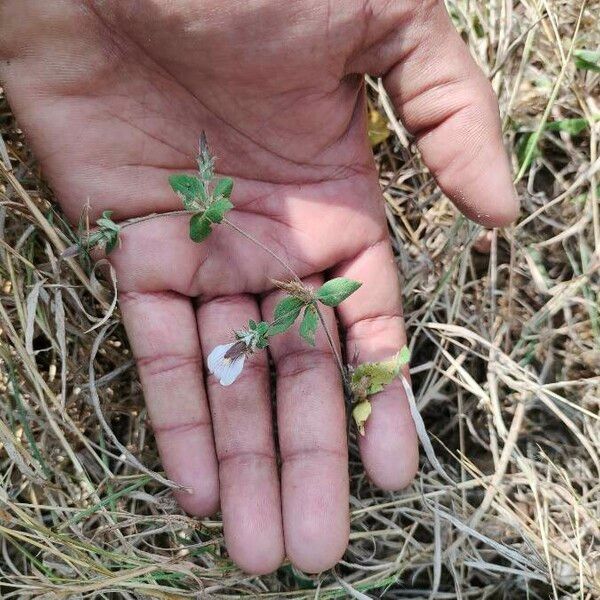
215, 358
232, 370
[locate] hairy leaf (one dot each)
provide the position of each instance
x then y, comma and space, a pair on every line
378, 374
199, 227
107, 234
403, 356
285, 313
112, 240
309, 324
370, 378
216, 211
190, 189
335, 291
106, 223
223, 188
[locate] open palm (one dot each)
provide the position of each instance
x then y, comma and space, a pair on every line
114, 95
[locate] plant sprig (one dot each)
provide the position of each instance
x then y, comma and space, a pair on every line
288, 309
208, 203
105, 235
208, 199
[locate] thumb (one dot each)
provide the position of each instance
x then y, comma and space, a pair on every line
445, 100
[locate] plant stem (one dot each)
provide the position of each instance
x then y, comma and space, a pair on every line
136, 220
268, 250
338, 358
289, 269
75, 249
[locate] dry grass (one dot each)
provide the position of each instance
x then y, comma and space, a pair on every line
506, 361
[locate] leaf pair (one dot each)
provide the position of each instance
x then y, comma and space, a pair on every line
107, 234
200, 223
289, 308
287, 311
208, 208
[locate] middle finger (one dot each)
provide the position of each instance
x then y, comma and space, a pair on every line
312, 440
242, 423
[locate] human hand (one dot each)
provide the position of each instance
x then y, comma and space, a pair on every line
113, 96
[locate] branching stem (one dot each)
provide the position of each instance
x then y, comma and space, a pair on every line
71, 251
293, 273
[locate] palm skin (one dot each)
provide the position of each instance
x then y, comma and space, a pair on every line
113, 96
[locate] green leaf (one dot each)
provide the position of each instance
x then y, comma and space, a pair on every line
570, 126
190, 189
111, 242
199, 227
309, 324
587, 60
216, 211
107, 234
285, 313
262, 331
105, 222
527, 150
94, 238
223, 188
335, 291
262, 328
403, 356
360, 414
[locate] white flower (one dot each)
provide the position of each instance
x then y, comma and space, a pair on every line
226, 361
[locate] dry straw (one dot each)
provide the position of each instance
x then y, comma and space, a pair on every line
505, 358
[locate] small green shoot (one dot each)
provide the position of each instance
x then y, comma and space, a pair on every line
208, 207
331, 293
587, 60
106, 236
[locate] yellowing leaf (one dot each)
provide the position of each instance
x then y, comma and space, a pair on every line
377, 127
360, 414
370, 378
403, 356
378, 374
